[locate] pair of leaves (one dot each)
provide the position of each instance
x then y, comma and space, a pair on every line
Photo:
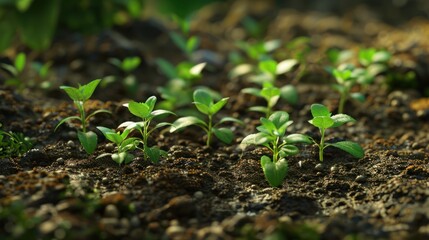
88, 140
144, 110
186, 45
83, 92
128, 64
205, 104
322, 118
275, 172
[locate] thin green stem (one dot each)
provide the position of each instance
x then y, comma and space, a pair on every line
322, 144
209, 131
81, 109
276, 150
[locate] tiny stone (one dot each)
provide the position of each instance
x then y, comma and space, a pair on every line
174, 230
60, 160
111, 211
319, 167
110, 147
198, 194
72, 134
334, 168
70, 143
360, 179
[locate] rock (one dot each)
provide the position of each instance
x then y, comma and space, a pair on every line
111, 211
319, 167
360, 179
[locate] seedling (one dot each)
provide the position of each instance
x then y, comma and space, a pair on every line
182, 78
205, 104
13, 144
123, 145
272, 135
80, 96
127, 66
16, 70
323, 120
188, 44
346, 77
42, 70
145, 111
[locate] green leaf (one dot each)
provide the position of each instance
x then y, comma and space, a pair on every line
38, 23
7, 28
268, 66
340, 119
97, 112
130, 63
290, 94
154, 153
111, 135
160, 112
258, 109
240, 70
288, 150
65, 120
179, 41
297, 138
166, 68
202, 108
192, 44
185, 122
122, 158
218, 106
197, 69
72, 92
279, 119
254, 139
88, 89
224, 134
150, 102
203, 97
274, 172
319, 110
252, 91
351, 147
88, 141
322, 122
229, 119
140, 110
20, 62
286, 66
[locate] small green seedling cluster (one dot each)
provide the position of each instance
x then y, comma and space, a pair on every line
205, 104
145, 111
80, 96
127, 66
13, 144
269, 70
177, 93
123, 145
272, 134
372, 63
323, 120
186, 43
16, 70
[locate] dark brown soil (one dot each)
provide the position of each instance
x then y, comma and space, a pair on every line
57, 191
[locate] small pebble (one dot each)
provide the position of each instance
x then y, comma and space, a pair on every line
198, 194
319, 167
110, 147
334, 168
111, 211
360, 179
71, 144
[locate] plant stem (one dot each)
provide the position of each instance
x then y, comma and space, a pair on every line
276, 150
209, 132
322, 144
80, 107
342, 102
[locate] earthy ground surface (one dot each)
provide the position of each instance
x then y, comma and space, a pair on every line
57, 191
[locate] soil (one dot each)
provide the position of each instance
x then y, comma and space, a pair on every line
57, 191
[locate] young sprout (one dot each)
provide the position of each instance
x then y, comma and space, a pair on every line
204, 103
272, 135
127, 66
182, 78
188, 44
323, 120
145, 111
13, 144
80, 96
16, 71
123, 145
